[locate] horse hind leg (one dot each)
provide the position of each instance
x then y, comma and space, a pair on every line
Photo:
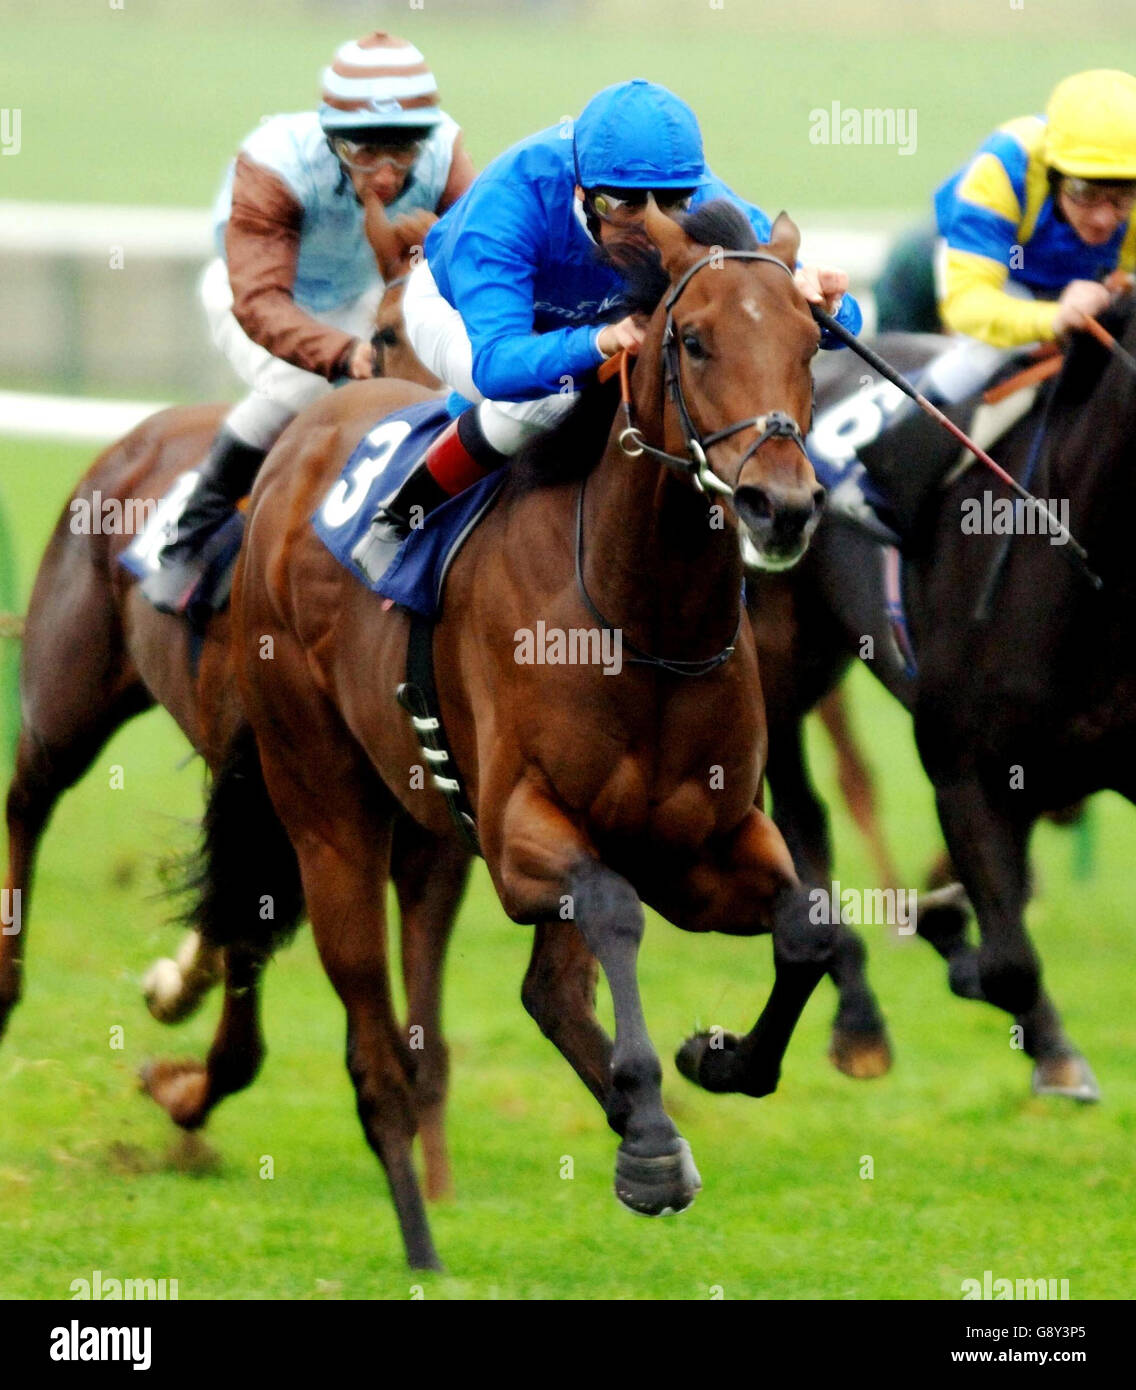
250, 899
175, 987
342, 859
859, 1045
78, 687
429, 877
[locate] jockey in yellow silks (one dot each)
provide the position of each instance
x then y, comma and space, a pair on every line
1029, 227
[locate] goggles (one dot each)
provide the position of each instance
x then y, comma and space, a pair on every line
622, 209
1085, 193
369, 159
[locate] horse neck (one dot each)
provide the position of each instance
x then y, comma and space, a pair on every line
658, 561
1093, 468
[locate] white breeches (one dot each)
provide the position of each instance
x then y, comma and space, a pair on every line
279, 389
438, 335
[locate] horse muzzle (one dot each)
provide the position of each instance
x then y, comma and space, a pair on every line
780, 522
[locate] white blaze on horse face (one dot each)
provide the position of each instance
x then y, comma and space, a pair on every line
749, 305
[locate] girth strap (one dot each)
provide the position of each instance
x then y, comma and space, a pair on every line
418, 695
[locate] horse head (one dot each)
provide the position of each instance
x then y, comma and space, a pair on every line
737, 340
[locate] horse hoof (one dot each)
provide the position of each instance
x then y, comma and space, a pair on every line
162, 986
709, 1060
659, 1186
1065, 1076
863, 1056
180, 1088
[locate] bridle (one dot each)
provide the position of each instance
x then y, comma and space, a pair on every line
775, 424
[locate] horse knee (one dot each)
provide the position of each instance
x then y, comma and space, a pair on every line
798, 937
1010, 978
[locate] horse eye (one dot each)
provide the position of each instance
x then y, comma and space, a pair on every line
388, 337
693, 346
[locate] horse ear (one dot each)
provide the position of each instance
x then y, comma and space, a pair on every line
673, 243
785, 240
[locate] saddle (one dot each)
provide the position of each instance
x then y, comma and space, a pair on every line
904, 465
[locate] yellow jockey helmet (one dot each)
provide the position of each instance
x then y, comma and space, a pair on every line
1091, 126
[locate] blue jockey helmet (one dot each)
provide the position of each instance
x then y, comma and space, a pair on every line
638, 135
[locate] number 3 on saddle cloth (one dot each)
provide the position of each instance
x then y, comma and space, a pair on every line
379, 463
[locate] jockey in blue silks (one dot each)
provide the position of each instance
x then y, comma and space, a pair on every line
511, 305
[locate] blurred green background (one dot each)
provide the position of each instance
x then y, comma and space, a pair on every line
144, 105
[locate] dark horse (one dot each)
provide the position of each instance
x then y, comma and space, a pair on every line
94, 655
592, 794
1022, 705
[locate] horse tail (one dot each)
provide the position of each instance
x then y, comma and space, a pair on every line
245, 878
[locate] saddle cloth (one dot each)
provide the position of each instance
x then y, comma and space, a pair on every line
379, 464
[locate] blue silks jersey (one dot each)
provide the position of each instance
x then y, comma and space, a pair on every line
514, 257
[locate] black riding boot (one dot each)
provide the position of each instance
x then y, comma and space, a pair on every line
225, 477
906, 460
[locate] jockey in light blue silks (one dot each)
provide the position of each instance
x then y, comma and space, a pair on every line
512, 303
298, 224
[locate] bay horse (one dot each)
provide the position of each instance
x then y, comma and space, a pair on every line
592, 794
1022, 706
95, 654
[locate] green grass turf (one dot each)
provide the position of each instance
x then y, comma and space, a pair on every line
155, 98
144, 105
970, 1172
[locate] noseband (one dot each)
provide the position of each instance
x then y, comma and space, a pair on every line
777, 424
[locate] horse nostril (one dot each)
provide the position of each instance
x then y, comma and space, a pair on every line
819, 495
755, 504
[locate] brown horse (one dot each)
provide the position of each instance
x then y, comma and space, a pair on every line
95, 654
592, 794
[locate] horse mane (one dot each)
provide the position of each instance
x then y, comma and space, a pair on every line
571, 449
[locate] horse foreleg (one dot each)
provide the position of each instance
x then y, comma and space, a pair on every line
560, 993
429, 877
548, 871
748, 886
989, 850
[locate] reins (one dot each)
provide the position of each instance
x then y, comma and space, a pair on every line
639, 657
